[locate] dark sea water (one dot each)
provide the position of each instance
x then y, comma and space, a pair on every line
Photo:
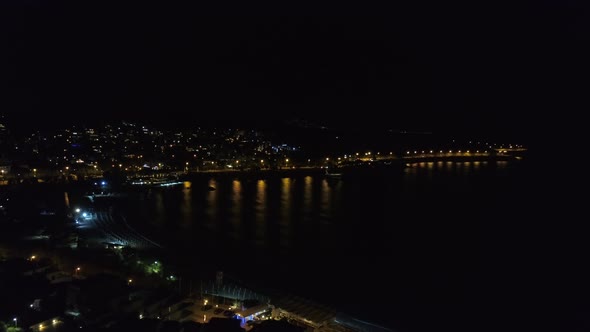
406, 248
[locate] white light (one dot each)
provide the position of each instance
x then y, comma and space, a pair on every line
77, 210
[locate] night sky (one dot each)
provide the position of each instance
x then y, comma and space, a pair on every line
458, 67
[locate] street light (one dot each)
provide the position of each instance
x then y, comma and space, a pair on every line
15, 320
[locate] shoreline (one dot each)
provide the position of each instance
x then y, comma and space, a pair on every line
380, 164
358, 164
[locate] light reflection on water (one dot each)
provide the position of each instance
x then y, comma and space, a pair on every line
307, 195
325, 203
186, 208
211, 205
236, 208
286, 214
292, 212
261, 208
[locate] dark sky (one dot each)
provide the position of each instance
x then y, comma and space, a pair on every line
445, 66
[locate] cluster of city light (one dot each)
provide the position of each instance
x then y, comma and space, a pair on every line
376, 155
423, 152
129, 137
